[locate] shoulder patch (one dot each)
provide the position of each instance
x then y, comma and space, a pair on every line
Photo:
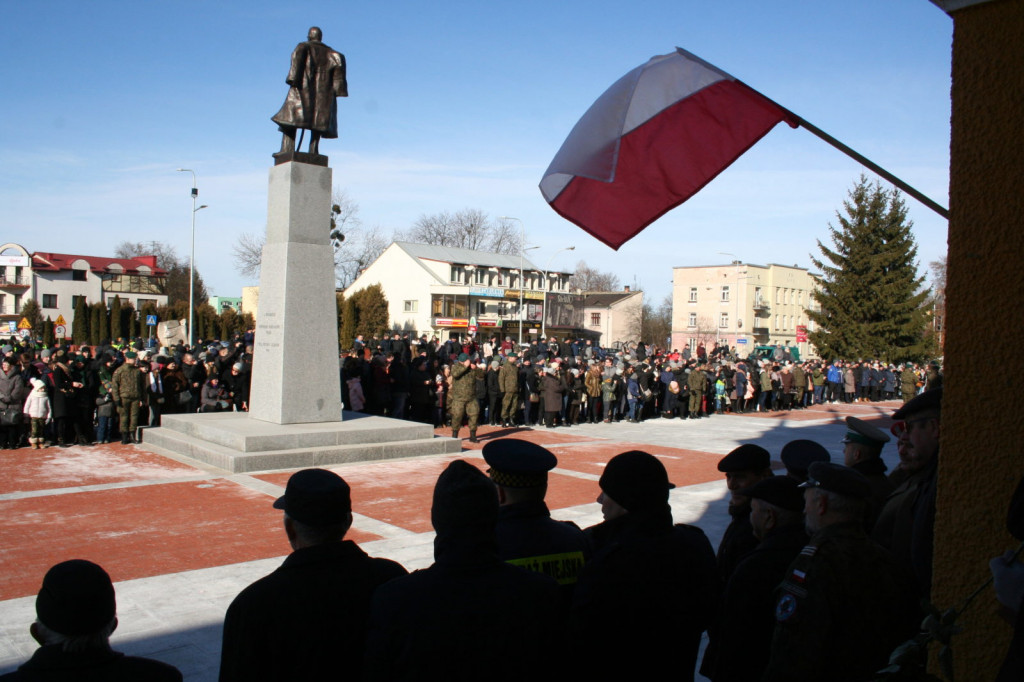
785, 609
809, 550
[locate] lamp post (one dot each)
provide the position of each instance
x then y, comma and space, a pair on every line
192, 259
544, 310
522, 257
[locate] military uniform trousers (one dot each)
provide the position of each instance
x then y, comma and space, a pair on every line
695, 396
470, 408
509, 404
128, 412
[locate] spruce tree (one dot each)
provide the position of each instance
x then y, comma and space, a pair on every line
371, 310
103, 325
96, 310
80, 325
870, 297
347, 333
116, 328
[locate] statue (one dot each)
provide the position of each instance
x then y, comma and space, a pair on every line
317, 79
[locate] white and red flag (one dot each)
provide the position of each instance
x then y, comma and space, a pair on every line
652, 141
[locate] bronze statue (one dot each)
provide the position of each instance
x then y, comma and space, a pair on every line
317, 78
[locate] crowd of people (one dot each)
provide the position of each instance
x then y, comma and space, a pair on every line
821, 574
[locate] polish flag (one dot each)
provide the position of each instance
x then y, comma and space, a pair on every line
652, 141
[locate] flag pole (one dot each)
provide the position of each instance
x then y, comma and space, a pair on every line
873, 166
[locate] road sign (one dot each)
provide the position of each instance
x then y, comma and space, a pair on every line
472, 329
741, 340
12, 327
60, 320
25, 333
60, 331
24, 324
150, 320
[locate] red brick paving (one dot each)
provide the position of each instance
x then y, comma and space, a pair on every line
138, 532
27, 470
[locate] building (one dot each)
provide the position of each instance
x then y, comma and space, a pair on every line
742, 304
59, 280
612, 318
442, 290
222, 303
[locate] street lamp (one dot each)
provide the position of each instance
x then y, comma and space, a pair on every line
192, 258
544, 310
522, 256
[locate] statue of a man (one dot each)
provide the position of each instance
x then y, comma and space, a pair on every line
317, 79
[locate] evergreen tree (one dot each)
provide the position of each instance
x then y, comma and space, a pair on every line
48, 339
870, 297
103, 324
80, 326
116, 328
347, 333
95, 311
31, 311
371, 310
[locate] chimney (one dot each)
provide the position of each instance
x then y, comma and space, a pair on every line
626, 289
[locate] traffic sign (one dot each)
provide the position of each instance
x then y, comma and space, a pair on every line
741, 340
150, 320
25, 333
12, 326
24, 324
60, 331
60, 320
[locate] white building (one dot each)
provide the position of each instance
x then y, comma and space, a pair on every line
612, 318
440, 289
58, 280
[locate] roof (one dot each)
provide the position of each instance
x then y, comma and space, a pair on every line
55, 262
603, 299
452, 254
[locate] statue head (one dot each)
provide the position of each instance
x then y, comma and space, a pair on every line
315, 34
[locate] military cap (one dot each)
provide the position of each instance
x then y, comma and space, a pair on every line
130, 355
798, 455
77, 598
512, 356
463, 357
747, 457
637, 480
838, 479
929, 400
517, 463
782, 491
859, 431
316, 497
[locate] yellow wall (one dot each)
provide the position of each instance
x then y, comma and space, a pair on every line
982, 451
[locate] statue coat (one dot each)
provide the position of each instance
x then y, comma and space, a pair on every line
317, 78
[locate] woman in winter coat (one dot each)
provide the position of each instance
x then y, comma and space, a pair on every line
552, 388
12, 394
37, 409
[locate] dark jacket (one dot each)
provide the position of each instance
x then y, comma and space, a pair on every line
308, 619
52, 664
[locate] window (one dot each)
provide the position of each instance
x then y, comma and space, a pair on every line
49, 300
723, 321
692, 322
481, 308
76, 299
458, 274
502, 309
777, 322
78, 275
410, 306
725, 293
778, 296
480, 276
693, 294
595, 319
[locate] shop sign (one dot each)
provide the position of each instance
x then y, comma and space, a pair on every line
451, 322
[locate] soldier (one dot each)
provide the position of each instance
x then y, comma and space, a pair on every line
128, 389
743, 467
463, 396
508, 384
697, 382
862, 451
799, 455
845, 603
799, 386
527, 535
741, 641
908, 383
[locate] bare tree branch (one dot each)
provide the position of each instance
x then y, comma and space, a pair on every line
469, 228
587, 278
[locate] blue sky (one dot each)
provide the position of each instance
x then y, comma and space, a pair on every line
452, 105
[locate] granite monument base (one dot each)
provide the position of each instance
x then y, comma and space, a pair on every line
238, 443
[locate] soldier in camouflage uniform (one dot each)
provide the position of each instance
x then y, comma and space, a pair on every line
908, 383
845, 603
128, 390
697, 383
463, 396
508, 384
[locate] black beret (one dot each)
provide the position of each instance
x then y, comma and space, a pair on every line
859, 431
316, 497
463, 497
798, 455
747, 457
637, 480
929, 400
838, 479
517, 463
782, 491
77, 598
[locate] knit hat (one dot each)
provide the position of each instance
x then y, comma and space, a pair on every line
77, 598
637, 480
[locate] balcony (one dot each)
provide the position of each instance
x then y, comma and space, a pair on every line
761, 307
14, 282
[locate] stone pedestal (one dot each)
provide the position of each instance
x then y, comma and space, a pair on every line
295, 373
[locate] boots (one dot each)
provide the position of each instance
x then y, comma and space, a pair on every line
126, 438
455, 433
472, 436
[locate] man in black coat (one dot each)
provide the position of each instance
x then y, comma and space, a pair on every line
650, 590
308, 619
527, 535
741, 641
470, 616
743, 467
76, 613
